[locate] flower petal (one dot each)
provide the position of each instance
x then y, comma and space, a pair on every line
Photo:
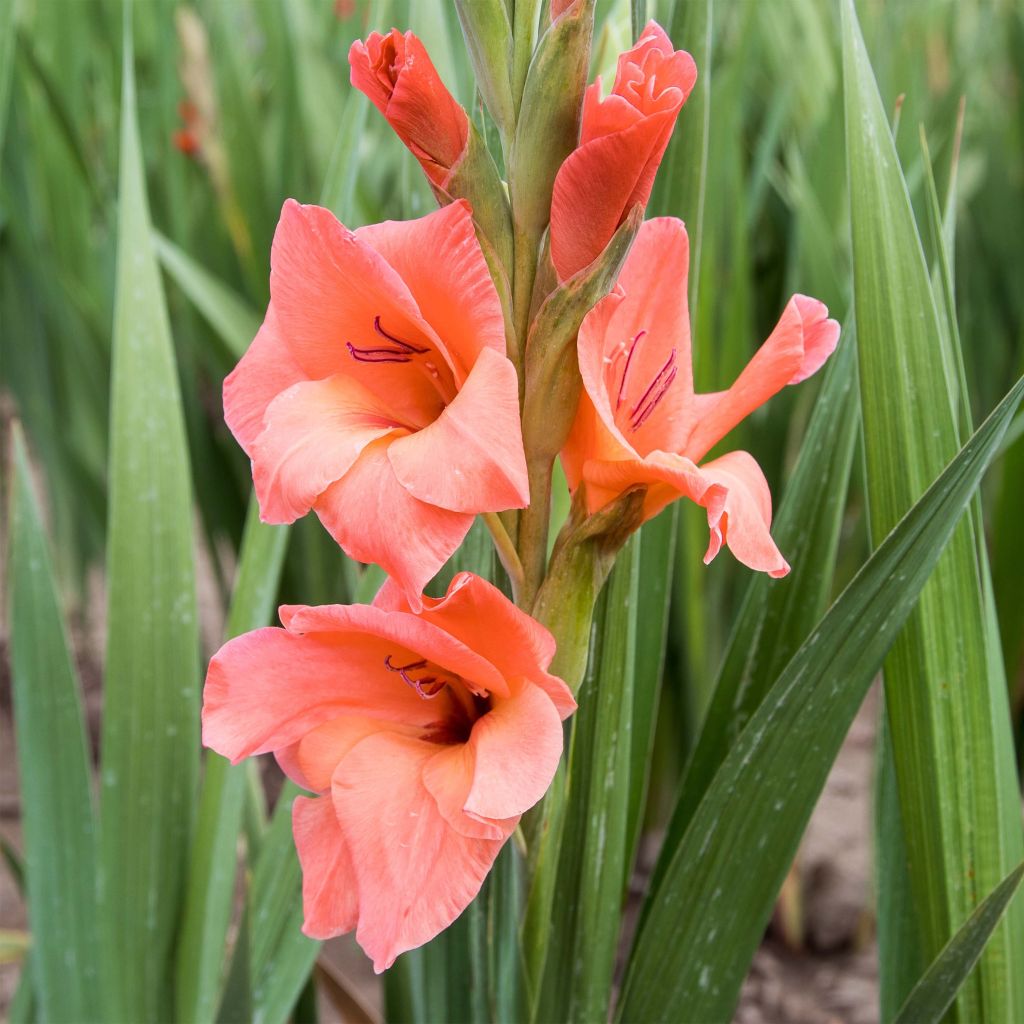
266, 369
415, 873
375, 519
517, 745
441, 262
470, 459
666, 475
330, 899
448, 775
747, 514
801, 342
313, 434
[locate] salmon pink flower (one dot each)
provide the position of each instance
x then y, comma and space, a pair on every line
377, 391
396, 74
622, 140
425, 735
640, 424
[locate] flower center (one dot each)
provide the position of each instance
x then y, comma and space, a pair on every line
640, 411
398, 350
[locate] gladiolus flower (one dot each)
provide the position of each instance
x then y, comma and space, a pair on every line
641, 424
377, 391
622, 140
396, 74
425, 735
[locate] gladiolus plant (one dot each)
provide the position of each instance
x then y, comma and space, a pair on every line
550, 612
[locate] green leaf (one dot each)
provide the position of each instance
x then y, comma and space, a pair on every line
8, 21
234, 322
53, 766
705, 920
585, 915
935, 992
777, 615
339, 186
210, 892
944, 679
151, 691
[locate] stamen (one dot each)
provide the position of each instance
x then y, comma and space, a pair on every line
629, 358
427, 687
654, 393
402, 352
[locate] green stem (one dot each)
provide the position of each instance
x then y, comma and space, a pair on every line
506, 552
533, 528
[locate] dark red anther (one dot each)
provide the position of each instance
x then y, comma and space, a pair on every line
427, 687
629, 358
401, 352
654, 394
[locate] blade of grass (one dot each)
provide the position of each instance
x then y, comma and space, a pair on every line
210, 891
937, 989
706, 918
57, 810
945, 689
151, 690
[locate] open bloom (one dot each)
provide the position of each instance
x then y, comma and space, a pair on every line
426, 736
377, 391
396, 74
622, 140
641, 424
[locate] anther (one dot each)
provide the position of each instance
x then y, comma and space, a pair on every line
427, 687
654, 393
399, 351
637, 338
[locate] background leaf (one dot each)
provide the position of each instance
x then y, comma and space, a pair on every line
944, 684
53, 763
151, 687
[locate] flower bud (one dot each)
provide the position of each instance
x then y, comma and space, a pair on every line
622, 140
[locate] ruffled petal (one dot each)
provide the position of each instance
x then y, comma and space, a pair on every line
415, 873
517, 745
801, 342
330, 898
470, 459
266, 369
747, 514
313, 434
375, 519
666, 476
441, 262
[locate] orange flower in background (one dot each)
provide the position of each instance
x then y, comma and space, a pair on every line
641, 424
426, 736
622, 140
396, 74
377, 391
